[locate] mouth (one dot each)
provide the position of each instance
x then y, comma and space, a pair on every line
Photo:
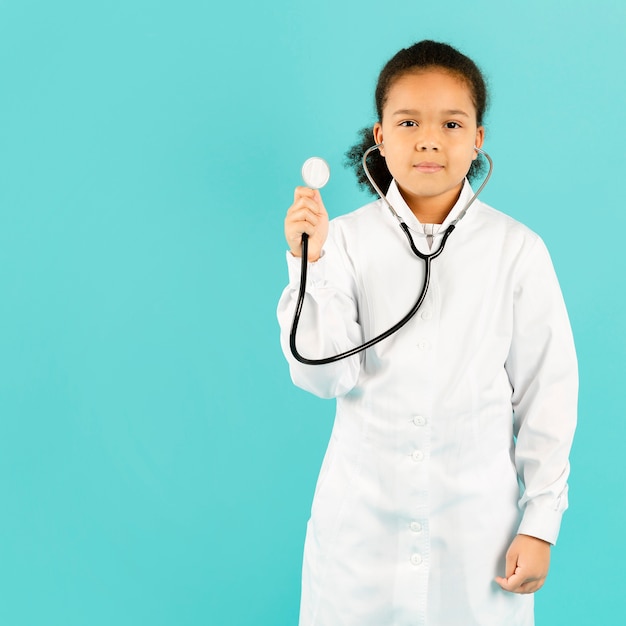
428, 167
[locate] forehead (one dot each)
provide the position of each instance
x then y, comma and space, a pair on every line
430, 90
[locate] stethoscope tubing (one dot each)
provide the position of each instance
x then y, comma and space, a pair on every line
427, 258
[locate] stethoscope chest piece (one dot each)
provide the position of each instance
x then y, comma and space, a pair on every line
315, 172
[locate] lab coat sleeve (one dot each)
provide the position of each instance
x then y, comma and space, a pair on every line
328, 323
543, 371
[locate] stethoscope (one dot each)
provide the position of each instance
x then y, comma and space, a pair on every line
316, 174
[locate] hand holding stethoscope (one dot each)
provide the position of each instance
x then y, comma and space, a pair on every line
308, 215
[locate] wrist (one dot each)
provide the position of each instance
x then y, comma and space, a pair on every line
543, 541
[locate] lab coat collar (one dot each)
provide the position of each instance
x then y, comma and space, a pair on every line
394, 197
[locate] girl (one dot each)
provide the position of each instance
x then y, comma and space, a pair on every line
444, 481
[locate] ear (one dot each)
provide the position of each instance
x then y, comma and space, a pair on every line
378, 137
480, 139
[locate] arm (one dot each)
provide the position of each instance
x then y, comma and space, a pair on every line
328, 324
543, 372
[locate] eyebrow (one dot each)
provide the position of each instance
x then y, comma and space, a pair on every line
416, 112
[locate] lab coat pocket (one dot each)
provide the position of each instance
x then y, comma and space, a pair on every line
325, 470
331, 495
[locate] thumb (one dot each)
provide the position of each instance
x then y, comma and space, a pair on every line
510, 567
318, 198
510, 563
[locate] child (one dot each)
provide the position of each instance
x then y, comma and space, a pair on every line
445, 478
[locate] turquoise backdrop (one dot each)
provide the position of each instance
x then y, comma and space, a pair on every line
156, 464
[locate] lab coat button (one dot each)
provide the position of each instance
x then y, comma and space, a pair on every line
417, 456
416, 527
423, 345
419, 420
416, 559
427, 314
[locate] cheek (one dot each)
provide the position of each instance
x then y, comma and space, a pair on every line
468, 154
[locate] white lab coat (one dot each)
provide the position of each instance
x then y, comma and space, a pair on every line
451, 436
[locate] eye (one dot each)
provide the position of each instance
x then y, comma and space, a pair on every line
452, 125
408, 123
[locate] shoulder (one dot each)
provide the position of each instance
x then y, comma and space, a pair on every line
367, 218
497, 219
504, 228
367, 212
518, 246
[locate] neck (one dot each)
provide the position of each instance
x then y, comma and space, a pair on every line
432, 209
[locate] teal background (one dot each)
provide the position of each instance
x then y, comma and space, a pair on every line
156, 464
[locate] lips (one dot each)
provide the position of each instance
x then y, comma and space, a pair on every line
428, 167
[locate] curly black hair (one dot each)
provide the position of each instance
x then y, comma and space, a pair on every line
421, 55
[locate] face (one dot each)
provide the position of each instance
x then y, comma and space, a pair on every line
429, 131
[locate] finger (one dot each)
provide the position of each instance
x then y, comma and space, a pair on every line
512, 582
303, 214
308, 192
319, 201
309, 197
524, 589
295, 238
302, 210
528, 588
294, 230
304, 192
307, 204
531, 584
518, 584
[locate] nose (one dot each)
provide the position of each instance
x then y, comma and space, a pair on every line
427, 141
425, 145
